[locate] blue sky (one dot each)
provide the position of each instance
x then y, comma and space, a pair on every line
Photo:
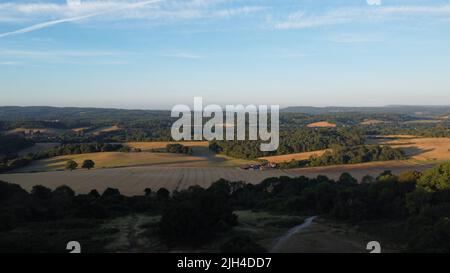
155, 54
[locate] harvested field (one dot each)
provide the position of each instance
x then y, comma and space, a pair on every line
105, 130
147, 146
133, 180
421, 149
426, 149
362, 169
203, 158
28, 131
290, 157
321, 124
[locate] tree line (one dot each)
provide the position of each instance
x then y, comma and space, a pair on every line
338, 155
291, 141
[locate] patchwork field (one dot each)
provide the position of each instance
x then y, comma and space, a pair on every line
133, 172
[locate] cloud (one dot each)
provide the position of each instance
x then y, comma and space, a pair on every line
302, 19
374, 2
32, 8
9, 63
46, 54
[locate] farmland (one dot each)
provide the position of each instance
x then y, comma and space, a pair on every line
289, 157
322, 124
201, 157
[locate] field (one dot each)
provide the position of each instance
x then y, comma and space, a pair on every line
372, 122
27, 131
201, 157
321, 124
106, 129
133, 180
148, 146
290, 157
131, 173
420, 149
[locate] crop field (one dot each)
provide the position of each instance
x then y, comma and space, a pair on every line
106, 129
48, 131
133, 180
147, 146
420, 149
321, 124
290, 157
133, 172
118, 159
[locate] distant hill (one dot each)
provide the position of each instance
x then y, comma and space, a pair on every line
48, 113
395, 109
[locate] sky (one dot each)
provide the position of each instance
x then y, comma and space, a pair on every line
155, 54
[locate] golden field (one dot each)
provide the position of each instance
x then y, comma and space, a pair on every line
290, 157
321, 124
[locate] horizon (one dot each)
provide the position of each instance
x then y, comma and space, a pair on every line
138, 54
281, 108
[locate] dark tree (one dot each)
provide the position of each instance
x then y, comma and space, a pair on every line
88, 164
71, 165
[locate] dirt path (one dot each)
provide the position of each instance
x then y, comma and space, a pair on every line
283, 239
132, 235
318, 235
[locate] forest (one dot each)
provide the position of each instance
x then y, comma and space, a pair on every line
418, 202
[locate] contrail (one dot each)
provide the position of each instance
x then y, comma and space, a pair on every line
73, 19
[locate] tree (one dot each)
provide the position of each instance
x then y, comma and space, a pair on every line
435, 179
163, 193
148, 192
88, 164
71, 165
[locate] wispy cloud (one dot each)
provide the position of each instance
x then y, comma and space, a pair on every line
302, 19
32, 8
115, 10
45, 54
9, 63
